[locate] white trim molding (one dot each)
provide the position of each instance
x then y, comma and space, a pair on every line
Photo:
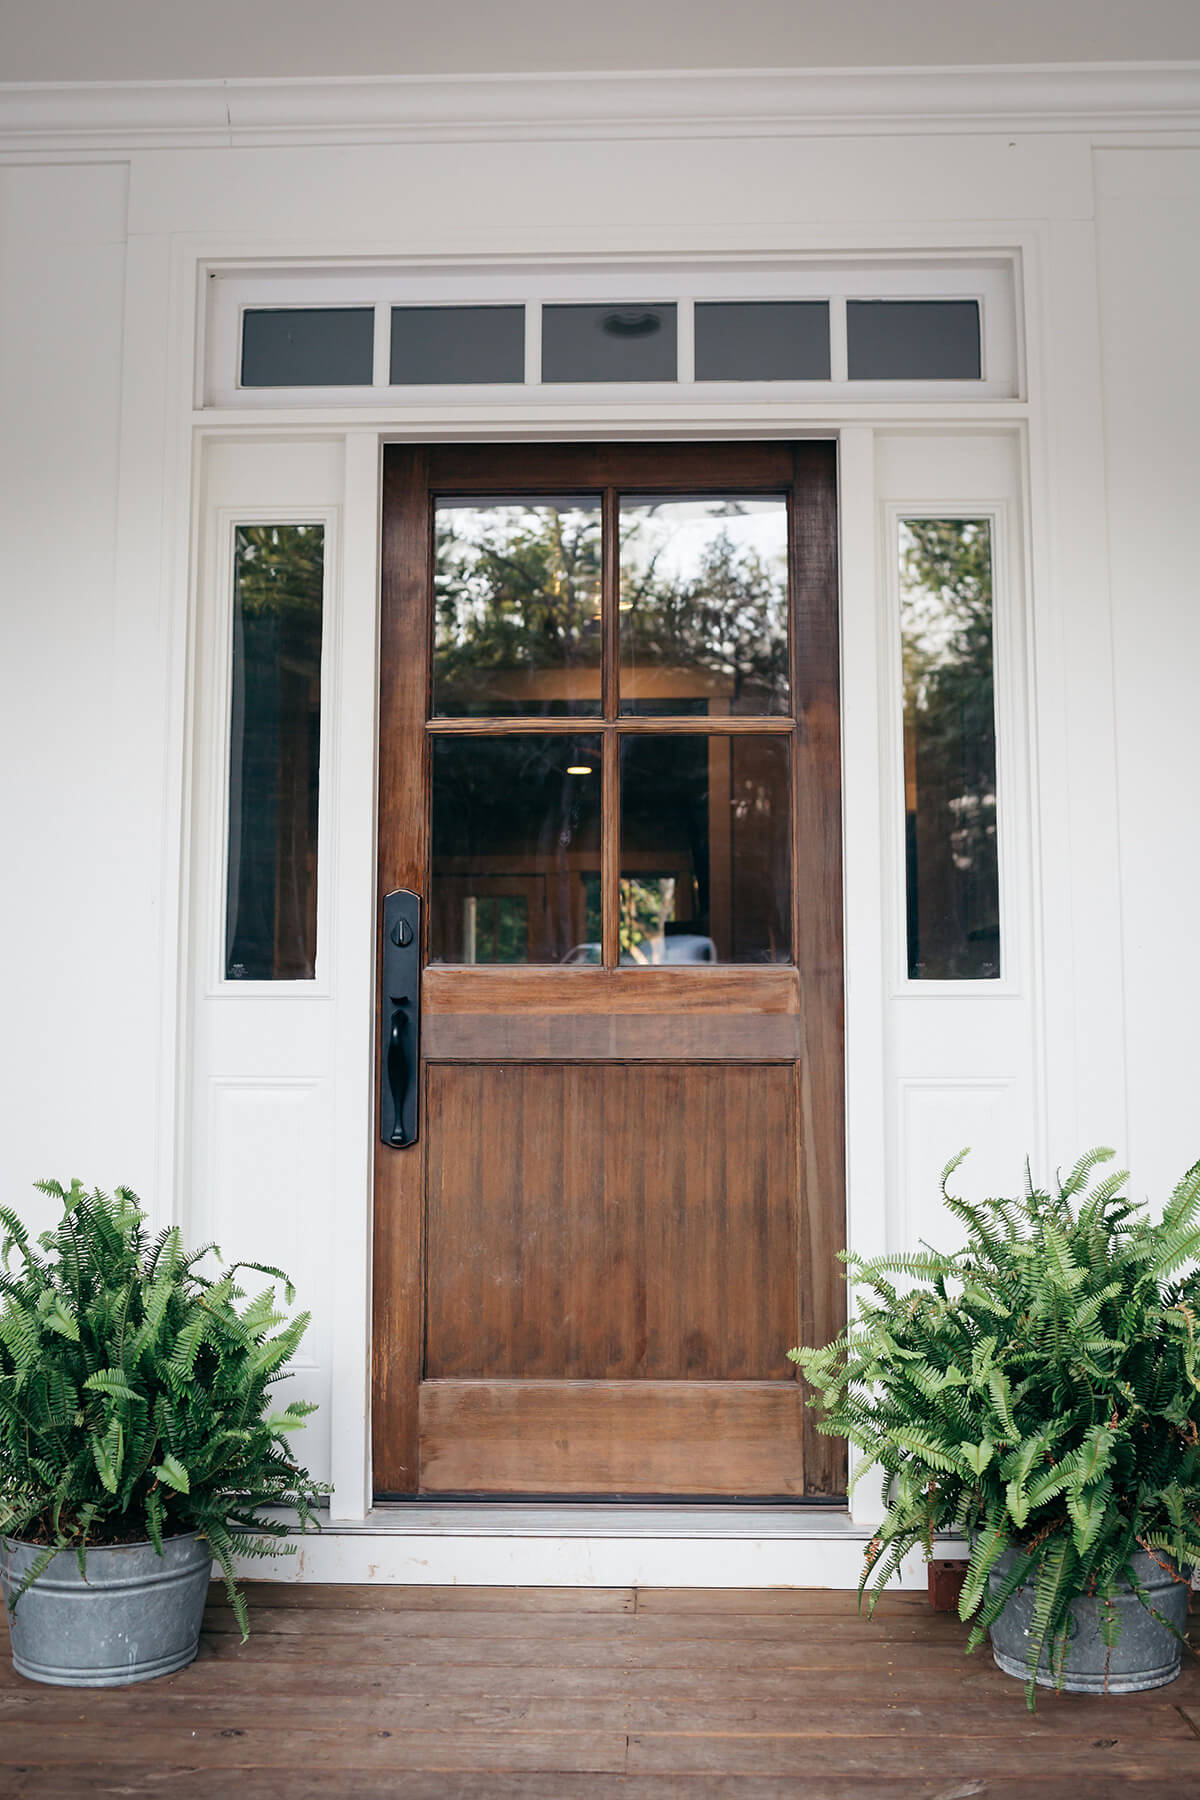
1077, 97
597, 1545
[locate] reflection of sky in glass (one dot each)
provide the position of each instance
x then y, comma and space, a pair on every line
674, 534
934, 616
468, 533
704, 604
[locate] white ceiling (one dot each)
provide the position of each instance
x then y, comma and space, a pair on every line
147, 40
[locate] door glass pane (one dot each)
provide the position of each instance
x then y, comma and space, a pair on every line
516, 837
704, 605
517, 625
949, 749
705, 849
274, 749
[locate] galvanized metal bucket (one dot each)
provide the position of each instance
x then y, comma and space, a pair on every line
135, 1614
1146, 1655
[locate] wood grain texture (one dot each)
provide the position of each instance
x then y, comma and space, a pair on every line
592, 1037
717, 989
728, 724
817, 923
616, 1437
663, 468
403, 851
610, 1221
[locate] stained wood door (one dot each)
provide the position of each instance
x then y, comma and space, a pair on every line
609, 762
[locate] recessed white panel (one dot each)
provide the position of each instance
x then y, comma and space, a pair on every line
936, 1120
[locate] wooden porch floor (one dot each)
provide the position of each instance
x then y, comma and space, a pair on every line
605, 1694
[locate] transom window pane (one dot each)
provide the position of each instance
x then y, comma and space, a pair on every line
308, 346
517, 614
949, 749
705, 849
609, 343
704, 605
274, 753
762, 340
516, 840
913, 340
455, 344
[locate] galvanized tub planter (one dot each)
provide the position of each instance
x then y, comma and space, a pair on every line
135, 1614
1146, 1655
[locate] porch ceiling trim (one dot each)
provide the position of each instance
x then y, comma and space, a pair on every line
108, 116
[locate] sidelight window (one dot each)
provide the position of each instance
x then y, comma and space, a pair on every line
275, 734
947, 648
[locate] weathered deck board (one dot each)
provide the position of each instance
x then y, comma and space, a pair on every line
559, 1694
181, 1781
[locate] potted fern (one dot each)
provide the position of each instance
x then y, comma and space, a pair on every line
134, 1441
1038, 1391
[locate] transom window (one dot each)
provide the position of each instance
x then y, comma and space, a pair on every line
899, 329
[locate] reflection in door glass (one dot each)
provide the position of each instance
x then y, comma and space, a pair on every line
705, 849
516, 607
949, 749
274, 751
516, 840
703, 605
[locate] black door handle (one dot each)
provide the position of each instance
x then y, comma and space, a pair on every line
398, 1078
400, 1019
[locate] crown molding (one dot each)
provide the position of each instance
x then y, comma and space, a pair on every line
125, 116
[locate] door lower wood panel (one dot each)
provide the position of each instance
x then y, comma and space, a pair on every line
609, 1221
612, 1437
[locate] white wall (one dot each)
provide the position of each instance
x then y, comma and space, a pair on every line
1148, 205
82, 783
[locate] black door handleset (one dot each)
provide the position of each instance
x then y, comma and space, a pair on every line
400, 1019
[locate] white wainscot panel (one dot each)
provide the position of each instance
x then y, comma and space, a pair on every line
267, 1200
936, 1119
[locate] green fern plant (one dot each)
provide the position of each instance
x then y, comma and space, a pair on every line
1037, 1391
133, 1392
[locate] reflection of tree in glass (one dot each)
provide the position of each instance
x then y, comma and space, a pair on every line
724, 611
950, 747
516, 588
645, 906
280, 568
501, 929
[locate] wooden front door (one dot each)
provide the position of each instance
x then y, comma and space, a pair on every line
609, 764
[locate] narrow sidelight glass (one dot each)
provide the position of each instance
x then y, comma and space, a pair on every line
274, 753
705, 849
516, 848
517, 616
704, 605
946, 624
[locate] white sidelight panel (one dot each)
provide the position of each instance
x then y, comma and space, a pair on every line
962, 1041
262, 1144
